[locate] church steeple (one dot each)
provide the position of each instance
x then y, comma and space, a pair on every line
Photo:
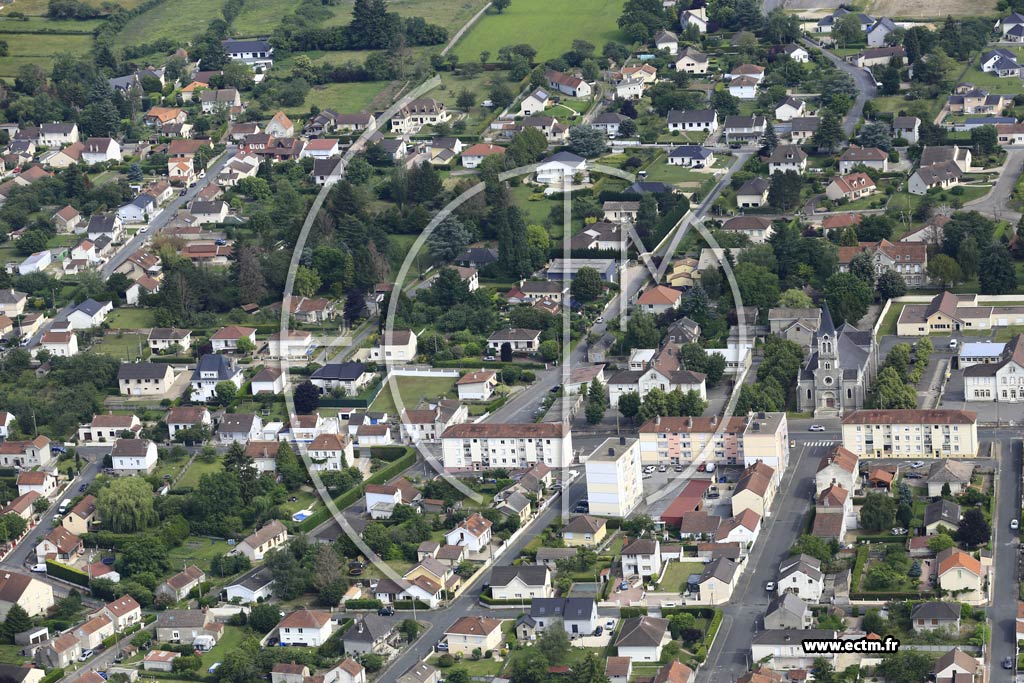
827, 341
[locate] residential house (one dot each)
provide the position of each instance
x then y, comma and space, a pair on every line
642, 638
933, 616
691, 156
59, 344
93, 632
907, 127
255, 584
803, 128
879, 32
59, 652
758, 229
717, 581
584, 530
305, 628
420, 112
954, 474
101, 150
472, 633
82, 516
795, 324
221, 99
31, 594
839, 468
194, 627
474, 533
89, 314
187, 417
42, 482
787, 611
369, 633
568, 84
577, 615
785, 649
106, 428
753, 193
122, 612
871, 157
239, 428
521, 582
474, 155
144, 379
60, 545
787, 158
280, 126
228, 338
801, 575
696, 120
133, 457
26, 454
57, 134
744, 87
181, 584
477, 386
66, 219
877, 56
791, 108
169, 339
534, 103
255, 546
692, 61
850, 187
257, 53
562, 168
520, 340
211, 370
944, 433
956, 665
350, 377
642, 558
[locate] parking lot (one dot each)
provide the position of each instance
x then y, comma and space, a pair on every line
607, 627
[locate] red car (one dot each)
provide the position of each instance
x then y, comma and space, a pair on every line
701, 467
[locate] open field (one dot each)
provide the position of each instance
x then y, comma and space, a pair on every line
125, 347
412, 390
260, 18
451, 14
179, 21
345, 98
38, 7
37, 48
130, 318
930, 9
543, 24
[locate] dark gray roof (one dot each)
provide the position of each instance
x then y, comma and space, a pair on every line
142, 371
942, 511
369, 629
131, 448
565, 158
254, 579
572, 609
181, 618
216, 363
530, 574
936, 610
642, 632
694, 116
343, 372
690, 152
101, 222
756, 186
787, 602
235, 45
90, 307
722, 569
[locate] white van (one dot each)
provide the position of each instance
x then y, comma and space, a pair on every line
64, 505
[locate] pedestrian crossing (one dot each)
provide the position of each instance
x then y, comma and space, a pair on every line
819, 444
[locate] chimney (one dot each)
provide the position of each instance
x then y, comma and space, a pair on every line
689, 422
657, 419
622, 441
611, 452
714, 420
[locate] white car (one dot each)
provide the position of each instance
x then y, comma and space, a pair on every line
1014, 524
953, 343
41, 568
917, 464
816, 428
143, 229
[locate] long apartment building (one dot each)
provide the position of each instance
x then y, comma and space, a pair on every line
743, 441
911, 433
474, 447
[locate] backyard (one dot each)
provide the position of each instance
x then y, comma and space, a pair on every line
676, 573
412, 391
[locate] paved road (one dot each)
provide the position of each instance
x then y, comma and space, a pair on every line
467, 603
1003, 611
865, 86
997, 202
162, 219
730, 656
25, 553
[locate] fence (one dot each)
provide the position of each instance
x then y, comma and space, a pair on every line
423, 371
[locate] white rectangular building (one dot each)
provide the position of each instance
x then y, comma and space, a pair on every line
475, 447
614, 484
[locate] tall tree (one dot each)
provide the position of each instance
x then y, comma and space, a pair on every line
830, 132
126, 505
998, 275
848, 297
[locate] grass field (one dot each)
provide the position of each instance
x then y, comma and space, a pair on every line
178, 21
674, 578
544, 24
260, 18
130, 318
929, 9
36, 48
451, 15
196, 470
124, 347
345, 98
198, 551
412, 389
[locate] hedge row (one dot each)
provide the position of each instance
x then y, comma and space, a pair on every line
894, 595
488, 600
66, 573
52, 677
388, 453
363, 604
408, 604
352, 495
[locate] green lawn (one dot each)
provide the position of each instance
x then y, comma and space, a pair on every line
674, 578
345, 98
536, 208
487, 668
198, 551
544, 24
126, 318
412, 389
126, 347
260, 18
229, 641
197, 469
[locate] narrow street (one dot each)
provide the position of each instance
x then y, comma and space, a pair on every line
730, 655
1003, 612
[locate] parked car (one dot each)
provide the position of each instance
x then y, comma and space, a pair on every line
1014, 524
442, 646
770, 586
624, 586
917, 464
41, 568
702, 467
386, 611
679, 468
85, 655
1008, 662
663, 468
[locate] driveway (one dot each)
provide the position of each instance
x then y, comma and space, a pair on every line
997, 202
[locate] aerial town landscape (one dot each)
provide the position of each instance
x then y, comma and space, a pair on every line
509, 341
